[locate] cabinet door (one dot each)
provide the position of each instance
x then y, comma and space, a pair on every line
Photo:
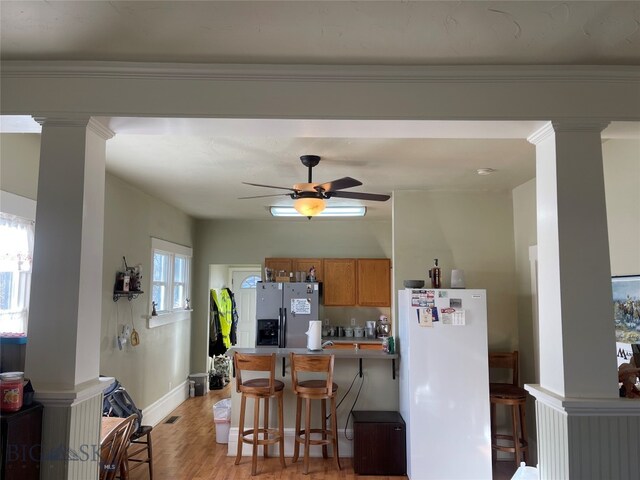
305, 264
339, 281
277, 264
374, 282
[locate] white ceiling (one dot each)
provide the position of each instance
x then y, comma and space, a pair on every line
321, 32
183, 163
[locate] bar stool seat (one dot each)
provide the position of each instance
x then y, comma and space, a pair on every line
314, 390
259, 389
315, 384
513, 396
263, 383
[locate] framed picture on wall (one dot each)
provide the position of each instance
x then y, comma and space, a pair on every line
626, 314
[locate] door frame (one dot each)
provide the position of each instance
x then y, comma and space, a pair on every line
232, 270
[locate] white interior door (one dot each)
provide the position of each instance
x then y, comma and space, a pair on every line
243, 285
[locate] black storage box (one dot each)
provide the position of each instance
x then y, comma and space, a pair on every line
379, 443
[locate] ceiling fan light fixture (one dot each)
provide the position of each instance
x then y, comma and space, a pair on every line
309, 207
330, 211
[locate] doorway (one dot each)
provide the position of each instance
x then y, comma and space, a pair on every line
243, 284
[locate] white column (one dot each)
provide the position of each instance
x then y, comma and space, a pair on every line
582, 425
577, 350
63, 351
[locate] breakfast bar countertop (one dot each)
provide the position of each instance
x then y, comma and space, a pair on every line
338, 353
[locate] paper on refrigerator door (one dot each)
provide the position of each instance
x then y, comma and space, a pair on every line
301, 306
453, 316
425, 317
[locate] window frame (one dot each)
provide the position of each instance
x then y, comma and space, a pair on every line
168, 313
24, 208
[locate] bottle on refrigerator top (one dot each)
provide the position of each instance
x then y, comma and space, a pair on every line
435, 275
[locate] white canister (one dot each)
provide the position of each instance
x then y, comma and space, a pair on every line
457, 278
348, 332
358, 332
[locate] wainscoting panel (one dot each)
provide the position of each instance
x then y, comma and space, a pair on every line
84, 438
588, 445
552, 427
604, 447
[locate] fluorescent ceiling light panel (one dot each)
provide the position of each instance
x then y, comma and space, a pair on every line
327, 212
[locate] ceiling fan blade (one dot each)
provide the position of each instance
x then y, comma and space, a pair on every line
376, 197
265, 196
269, 186
339, 184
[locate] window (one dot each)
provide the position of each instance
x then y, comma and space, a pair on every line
170, 277
250, 282
16, 248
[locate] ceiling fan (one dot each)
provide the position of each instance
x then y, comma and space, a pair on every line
309, 197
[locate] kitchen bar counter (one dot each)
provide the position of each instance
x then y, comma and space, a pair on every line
364, 382
338, 353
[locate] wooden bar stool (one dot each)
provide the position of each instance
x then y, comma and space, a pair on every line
515, 397
314, 390
259, 388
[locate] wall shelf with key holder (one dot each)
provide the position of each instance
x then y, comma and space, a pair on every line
128, 282
117, 295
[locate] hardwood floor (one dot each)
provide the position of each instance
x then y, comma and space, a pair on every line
187, 450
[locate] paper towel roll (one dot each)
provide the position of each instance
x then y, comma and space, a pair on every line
314, 335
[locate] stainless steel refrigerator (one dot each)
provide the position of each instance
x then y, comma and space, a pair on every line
283, 312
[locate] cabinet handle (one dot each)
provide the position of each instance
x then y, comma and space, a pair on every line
398, 429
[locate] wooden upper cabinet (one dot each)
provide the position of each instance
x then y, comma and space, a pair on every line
305, 264
277, 264
340, 287
374, 282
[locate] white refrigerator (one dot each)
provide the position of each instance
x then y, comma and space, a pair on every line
444, 383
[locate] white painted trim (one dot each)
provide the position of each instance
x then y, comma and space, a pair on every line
154, 413
159, 244
17, 205
169, 317
541, 134
54, 397
345, 73
345, 445
602, 407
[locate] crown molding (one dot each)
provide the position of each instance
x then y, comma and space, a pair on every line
335, 73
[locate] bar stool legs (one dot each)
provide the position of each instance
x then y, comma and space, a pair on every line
259, 389
303, 436
315, 389
254, 433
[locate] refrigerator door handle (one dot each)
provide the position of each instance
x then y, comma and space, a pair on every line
283, 327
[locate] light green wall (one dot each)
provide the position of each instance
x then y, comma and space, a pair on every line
468, 231
524, 231
524, 208
19, 161
161, 361
622, 190
250, 242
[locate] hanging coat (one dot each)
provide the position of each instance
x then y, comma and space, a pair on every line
216, 342
234, 316
225, 307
